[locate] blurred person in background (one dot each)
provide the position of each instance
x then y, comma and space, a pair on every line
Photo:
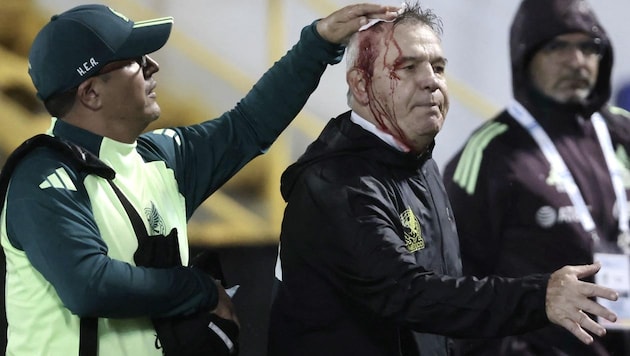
545, 183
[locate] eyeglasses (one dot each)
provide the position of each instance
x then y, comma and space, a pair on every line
116, 65
593, 47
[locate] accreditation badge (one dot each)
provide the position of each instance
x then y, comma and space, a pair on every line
615, 274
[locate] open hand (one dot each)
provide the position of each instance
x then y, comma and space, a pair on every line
567, 301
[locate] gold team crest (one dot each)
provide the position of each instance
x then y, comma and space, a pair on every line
412, 230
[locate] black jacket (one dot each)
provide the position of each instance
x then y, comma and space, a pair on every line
512, 217
370, 256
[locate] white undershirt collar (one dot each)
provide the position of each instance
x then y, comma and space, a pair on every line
384, 136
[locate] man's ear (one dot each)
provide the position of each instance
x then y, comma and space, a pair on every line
88, 93
357, 85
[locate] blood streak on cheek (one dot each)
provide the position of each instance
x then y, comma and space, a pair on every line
380, 106
394, 80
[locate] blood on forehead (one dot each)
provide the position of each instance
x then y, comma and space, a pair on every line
369, 50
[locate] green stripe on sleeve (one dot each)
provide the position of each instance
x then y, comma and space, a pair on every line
467, 170
619, 111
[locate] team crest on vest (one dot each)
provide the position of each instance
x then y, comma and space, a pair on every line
156, 222
412, 231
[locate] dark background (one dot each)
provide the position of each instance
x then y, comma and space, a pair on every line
253, 269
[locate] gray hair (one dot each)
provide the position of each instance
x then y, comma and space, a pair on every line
411, 13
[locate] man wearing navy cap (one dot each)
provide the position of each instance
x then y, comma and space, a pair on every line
66, 225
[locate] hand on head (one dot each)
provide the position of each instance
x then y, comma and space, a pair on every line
341, 24
568, 301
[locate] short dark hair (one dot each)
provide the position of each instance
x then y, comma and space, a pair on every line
58, 105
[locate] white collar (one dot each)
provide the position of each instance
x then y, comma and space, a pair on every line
384, 136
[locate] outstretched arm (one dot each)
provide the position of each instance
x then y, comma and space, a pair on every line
221, 147
568, 301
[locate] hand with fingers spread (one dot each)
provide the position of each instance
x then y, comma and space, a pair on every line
341, 24
568, 301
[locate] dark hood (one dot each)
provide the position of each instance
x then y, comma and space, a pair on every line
538, 21
341, 137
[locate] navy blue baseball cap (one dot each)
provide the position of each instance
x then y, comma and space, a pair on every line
77, 43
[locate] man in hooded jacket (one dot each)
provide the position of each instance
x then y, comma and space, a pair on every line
518, 214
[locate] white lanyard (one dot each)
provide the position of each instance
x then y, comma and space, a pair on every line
557, 164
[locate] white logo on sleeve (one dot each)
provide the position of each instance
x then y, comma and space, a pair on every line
58, 180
